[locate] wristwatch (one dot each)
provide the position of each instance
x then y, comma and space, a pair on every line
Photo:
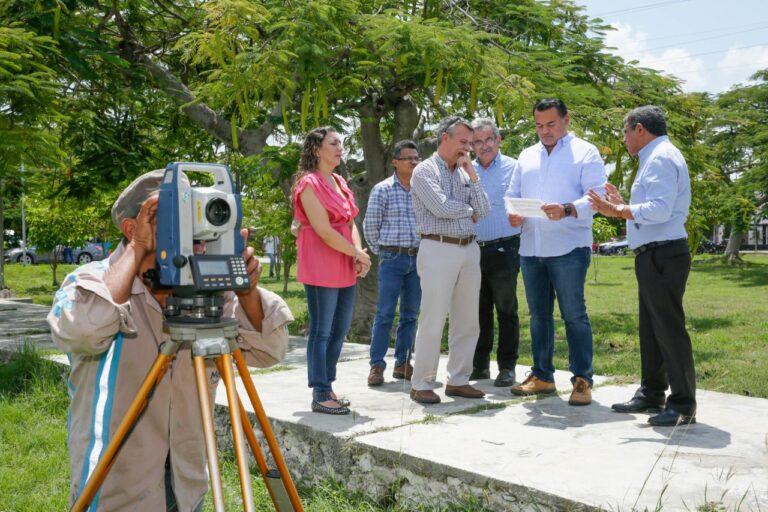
568, 209
620, 208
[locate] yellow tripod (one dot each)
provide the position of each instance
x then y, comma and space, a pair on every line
209, 341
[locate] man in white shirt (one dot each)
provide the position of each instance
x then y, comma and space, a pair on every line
555, 249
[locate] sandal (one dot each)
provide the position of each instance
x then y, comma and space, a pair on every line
337, 411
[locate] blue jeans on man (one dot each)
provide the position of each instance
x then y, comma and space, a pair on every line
397, 279
330, 316
563, 277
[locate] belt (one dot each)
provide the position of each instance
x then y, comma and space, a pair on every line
497, 240
410, 251
652, 245
449, 239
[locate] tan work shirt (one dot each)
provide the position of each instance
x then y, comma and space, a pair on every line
112, 348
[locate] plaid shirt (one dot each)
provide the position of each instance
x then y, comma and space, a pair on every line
444, 201
389, 219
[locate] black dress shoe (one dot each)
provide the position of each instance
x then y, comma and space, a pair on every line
505, 379
671, 418
637, 404
480, 374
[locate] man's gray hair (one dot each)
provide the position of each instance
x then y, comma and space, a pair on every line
650, 116
484, 123
448, 125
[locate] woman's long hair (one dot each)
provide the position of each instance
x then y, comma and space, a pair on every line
308, 161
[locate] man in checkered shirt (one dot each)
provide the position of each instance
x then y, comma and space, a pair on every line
390, 231
448, 199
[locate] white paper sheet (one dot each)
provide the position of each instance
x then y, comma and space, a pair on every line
525, 207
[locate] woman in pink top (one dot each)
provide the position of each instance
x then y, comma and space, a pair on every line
330, 258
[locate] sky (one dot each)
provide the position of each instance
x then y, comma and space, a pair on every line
710, 44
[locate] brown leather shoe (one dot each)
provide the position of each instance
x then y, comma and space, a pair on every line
533, 386
465, 391
582, 392
424, 396
376, 376
403, 371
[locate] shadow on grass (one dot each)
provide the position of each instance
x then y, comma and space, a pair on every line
611, 323
42, 290
707, 323
749, 274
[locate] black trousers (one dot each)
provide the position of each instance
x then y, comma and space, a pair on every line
665, 347
499, 266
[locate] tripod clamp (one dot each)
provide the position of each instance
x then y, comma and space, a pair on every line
208, 340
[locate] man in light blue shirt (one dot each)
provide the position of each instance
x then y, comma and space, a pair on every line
656, 214
555, 248
499, 260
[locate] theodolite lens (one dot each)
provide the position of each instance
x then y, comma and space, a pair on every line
217, 212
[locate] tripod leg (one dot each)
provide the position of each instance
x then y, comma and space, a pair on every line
99, 473
210, 436
228, 377
261, 415
250, 435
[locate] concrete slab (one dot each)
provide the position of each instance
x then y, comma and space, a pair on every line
555, 455
22, 322
594, 456
286, 397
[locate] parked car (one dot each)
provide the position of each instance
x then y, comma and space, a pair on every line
709, 247
619, 246
82, 255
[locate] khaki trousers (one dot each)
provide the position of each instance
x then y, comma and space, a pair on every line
450, 285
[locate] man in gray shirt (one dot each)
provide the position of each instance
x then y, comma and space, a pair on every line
448, 199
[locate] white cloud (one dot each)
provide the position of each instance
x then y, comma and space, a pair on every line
633, 45
739, 64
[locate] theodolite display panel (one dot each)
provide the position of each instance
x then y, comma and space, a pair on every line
219, 272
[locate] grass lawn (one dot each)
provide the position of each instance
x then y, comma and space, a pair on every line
726, 307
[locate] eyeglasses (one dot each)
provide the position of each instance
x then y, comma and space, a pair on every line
411, 158
486, 142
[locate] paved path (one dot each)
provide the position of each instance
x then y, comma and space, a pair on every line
524, 454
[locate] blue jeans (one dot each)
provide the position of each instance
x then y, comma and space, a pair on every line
563, 277
330, 315
397, 279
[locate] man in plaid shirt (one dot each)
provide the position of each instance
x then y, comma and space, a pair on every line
448, 199
390, 231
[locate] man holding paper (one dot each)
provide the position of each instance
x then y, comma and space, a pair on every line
555, 244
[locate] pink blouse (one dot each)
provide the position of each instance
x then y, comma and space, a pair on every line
318, 263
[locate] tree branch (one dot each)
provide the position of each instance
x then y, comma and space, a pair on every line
250, 142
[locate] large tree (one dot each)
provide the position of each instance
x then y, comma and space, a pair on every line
741, 140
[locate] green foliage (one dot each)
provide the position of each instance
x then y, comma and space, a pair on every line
60, 222
602, 230
740, 137
28, 98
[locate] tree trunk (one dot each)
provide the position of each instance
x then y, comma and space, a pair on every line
286, 275
2, 237
732, 256
376, 157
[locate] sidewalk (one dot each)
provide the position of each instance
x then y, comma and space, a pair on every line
527, 451
510, 453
